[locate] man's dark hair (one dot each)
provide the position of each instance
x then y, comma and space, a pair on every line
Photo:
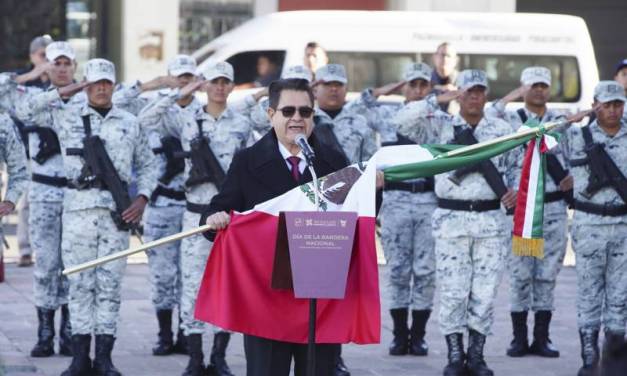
313, 45
296, 84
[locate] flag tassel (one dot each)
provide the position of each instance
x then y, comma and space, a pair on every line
533, 247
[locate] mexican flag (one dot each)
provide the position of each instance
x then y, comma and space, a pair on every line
529, 214
236, 292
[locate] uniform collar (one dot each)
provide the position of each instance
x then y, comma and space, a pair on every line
460, 121
203, 115
115, 112
621, 132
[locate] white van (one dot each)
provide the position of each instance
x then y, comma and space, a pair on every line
376, 45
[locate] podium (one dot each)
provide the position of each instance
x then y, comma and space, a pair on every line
312, 257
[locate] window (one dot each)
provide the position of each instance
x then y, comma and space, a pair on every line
245, 66
372, 69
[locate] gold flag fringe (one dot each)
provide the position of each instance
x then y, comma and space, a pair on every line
528, 247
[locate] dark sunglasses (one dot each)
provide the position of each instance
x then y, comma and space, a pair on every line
289, 111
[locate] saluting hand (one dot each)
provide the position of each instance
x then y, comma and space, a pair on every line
6, 207
515, 94
71, 89
387, 89
190, 88
576, 118
133, 214
218, 221
448, 96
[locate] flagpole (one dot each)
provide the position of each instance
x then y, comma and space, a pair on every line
544, 128
132, 251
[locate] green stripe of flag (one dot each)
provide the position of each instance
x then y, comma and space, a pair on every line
442, 163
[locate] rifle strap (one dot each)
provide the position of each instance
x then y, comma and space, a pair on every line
199, 124
324, 133
86, 125
587, 136
496, 184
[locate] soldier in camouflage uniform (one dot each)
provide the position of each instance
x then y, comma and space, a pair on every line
406, 214
45, 196
226, 132
469, 226
89, 229
164, 214
12, 154
599, 229
532, 280
255, 106
339, 124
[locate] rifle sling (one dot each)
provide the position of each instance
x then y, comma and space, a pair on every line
496, 183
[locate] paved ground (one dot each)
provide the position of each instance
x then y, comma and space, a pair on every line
138, 328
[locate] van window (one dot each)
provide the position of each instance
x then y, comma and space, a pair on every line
245, 67
371, 69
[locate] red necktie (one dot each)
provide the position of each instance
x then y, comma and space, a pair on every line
294, 161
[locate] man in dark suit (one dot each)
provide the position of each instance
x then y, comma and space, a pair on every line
269, 168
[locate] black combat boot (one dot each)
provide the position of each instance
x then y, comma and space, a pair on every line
400, 343
217, 360
476, 363
456, 357
541, 344
520, 344
165, 343
81, 363
340, 367
417, 344
180, 347
613, 343
195, 366
45, 334
589, 352
103, 365
65, 332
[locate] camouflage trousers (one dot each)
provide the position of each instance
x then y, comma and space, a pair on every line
601, 254
194, 255
50, 286
163, 261
94, 293
408, 247
532, 280
468, 272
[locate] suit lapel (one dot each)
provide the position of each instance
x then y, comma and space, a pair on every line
269, 168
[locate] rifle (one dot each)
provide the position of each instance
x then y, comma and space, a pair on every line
48, 143
205, 166
171, 147
603, 170
99, 172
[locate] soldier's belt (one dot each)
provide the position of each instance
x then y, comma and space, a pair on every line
167, 192
54, 181
72, 184
196, 208
474, 205
605, 210
415, 187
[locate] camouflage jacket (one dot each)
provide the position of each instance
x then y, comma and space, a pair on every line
226, 135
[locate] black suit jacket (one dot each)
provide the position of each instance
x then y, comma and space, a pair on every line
259, 173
